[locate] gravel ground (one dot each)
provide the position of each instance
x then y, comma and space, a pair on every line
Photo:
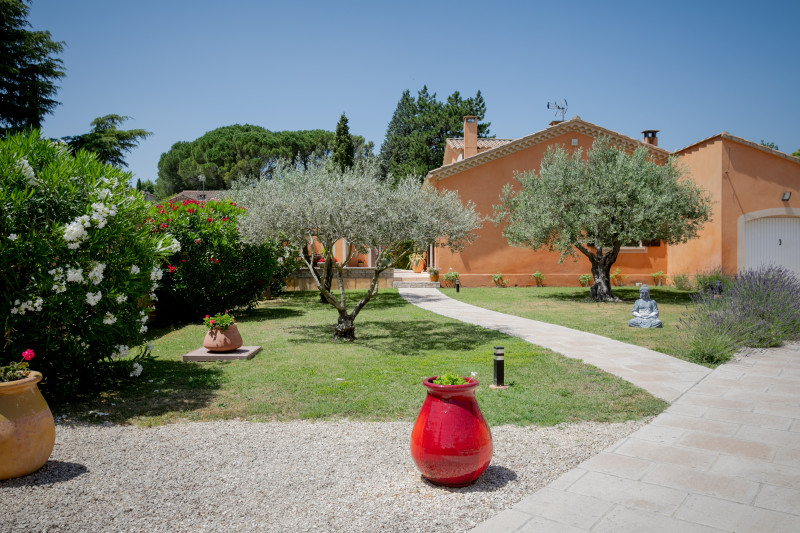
287, 477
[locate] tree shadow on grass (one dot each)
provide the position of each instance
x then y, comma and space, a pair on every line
175, 387
406, 337
268, 313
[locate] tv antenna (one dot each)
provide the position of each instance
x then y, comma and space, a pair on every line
560, 107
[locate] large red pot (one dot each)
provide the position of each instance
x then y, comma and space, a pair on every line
451, 442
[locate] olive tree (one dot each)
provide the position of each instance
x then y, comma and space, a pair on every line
326, 204
599, 203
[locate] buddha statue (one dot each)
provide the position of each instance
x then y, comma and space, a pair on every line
645, 311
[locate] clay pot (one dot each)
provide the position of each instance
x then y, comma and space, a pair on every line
434, 277
417, 267
451, 443
27, 430
223, 340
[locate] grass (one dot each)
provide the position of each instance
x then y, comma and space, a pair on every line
571, 307
301, 373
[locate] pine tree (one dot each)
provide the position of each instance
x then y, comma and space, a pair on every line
28, 70
343, 149
416, 135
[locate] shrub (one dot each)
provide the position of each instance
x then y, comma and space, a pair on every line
682, 282
710, 280
760, 308
539, 278
659, 277
498, 280
78, 265
585, 280
433, 270
450, 277
617, 277
214, 269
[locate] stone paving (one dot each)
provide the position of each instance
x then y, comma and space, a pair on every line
724, 457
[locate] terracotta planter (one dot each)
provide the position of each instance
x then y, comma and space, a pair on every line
417, 267
451, 442
434, 277
223, 340
27, 431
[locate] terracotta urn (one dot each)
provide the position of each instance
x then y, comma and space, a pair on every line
417, 266
27, 430
451, 443
223, 340
434, 277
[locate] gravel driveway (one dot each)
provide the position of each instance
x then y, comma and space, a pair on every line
287, 477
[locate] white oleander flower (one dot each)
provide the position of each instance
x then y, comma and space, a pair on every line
122, 298
137, 370
75, 275
156, 274
92, 299
96, 275
135, 270
109, 319
12, 237
143, 329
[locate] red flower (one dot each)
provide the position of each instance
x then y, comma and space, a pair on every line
28, 355
210, 219
183, 260
163, 226
233, 203
191, 210
224, 219
211, 321
173, 207
159, 206
172, 269
197, 241
207, 316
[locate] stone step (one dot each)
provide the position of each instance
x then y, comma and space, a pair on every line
416, 285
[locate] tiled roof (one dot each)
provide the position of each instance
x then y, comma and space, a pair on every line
457, 143
734, 138
574, 124
200, 196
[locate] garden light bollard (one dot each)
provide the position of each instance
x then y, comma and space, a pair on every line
499, 369
458, 285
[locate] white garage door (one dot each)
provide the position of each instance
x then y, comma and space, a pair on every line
773, 241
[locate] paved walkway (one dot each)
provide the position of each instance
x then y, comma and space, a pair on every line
724, 457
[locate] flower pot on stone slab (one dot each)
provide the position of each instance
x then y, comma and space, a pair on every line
451, 443
27, 430
223, 340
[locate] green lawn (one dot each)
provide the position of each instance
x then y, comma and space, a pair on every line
571, 307
301, 373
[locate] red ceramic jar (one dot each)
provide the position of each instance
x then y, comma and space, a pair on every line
451, 442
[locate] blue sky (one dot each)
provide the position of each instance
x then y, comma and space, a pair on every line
181, 68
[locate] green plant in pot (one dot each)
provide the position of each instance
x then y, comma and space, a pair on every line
223, 334
433, 272
450, 277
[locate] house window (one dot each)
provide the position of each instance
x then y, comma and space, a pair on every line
639, 247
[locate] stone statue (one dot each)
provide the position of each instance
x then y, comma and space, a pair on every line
645, 311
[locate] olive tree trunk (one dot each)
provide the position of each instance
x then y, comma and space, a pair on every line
601, 272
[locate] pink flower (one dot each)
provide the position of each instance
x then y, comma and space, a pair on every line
27, 355
172, 269
207, 316
211, 321
197, 241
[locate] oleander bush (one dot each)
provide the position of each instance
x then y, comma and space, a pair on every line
682, 282
214, 270
760, 308
710, 280
78, 265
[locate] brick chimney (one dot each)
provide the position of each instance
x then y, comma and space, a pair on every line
650, 137
470, 136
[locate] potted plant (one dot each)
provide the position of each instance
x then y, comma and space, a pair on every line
450, 277
223, 334
417, 262
27, 430
451, 443
433, 272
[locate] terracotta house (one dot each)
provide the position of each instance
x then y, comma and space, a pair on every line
755, 192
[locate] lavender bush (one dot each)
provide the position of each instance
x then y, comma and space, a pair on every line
759, 308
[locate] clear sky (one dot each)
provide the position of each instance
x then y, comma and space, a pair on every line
184, 67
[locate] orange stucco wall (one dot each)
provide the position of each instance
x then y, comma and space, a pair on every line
741, 179
491, 253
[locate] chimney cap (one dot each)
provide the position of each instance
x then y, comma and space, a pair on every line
650, 131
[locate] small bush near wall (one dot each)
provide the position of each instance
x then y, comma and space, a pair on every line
78, 265
214, 270
760, 308
707, 280
682, 282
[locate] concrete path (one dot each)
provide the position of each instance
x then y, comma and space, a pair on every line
724, 457
661, 375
